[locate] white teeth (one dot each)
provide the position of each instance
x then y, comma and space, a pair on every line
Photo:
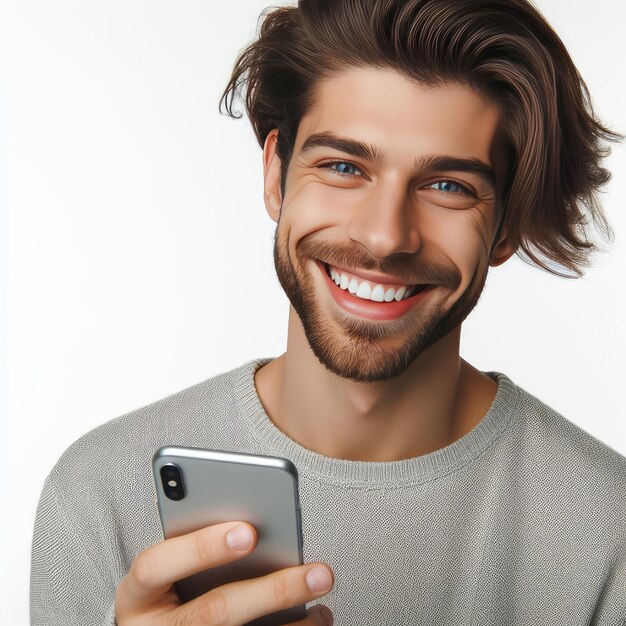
400, 293
365, 290
378, 293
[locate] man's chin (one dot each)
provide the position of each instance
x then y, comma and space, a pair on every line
365, 372
366, 353
368, 369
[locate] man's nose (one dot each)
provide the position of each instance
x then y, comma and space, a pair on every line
386, 222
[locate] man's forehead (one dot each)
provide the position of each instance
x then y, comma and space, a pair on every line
397, 115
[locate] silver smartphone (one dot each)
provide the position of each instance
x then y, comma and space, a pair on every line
197, 488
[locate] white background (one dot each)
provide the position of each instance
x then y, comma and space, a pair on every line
136, 251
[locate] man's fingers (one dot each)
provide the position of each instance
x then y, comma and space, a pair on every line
240, 602
148, 583
155, 569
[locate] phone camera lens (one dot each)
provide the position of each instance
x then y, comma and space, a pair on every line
172, 481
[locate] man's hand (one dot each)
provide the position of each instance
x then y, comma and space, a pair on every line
146, 595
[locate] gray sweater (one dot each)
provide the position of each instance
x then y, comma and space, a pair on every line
520, 522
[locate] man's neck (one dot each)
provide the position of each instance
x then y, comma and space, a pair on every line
437, 400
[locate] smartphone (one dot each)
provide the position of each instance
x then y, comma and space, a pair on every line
197, 488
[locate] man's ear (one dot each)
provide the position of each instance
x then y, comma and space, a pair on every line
272, 168
502, 251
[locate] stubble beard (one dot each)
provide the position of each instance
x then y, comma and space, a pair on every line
367, 351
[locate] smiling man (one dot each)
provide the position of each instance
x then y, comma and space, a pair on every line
408, 146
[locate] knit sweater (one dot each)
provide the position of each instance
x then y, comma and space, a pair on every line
522, 521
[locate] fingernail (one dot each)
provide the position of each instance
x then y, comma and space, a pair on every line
325, 616
239, 538
318, 579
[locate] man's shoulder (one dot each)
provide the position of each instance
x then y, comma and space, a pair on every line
556, 455
195, 416
553, 434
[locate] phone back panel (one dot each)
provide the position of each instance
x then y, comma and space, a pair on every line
223, 487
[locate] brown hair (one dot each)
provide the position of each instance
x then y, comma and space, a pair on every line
503, 48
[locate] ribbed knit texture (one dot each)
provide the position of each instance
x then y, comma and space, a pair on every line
520, 522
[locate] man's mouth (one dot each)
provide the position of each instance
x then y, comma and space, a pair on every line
370, 290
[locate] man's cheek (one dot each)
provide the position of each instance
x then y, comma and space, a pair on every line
444, 232
324, 205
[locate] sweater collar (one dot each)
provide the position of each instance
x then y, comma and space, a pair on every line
411, 471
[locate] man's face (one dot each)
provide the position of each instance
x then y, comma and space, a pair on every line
391, 192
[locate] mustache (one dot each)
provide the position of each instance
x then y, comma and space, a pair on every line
408, 268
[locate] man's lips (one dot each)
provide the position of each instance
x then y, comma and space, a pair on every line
355, 300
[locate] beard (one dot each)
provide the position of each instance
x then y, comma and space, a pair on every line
363, 350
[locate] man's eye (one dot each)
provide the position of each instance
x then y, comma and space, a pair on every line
343, 168
449, 187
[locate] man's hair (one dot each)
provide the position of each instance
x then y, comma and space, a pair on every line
504, 49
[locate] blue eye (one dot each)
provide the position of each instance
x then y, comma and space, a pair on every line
448, 186
342, 168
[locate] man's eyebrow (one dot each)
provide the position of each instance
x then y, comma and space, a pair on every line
471, 165
356, 148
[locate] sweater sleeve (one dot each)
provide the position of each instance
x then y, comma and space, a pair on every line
66, 588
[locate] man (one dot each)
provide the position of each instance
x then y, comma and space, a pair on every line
409, 145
